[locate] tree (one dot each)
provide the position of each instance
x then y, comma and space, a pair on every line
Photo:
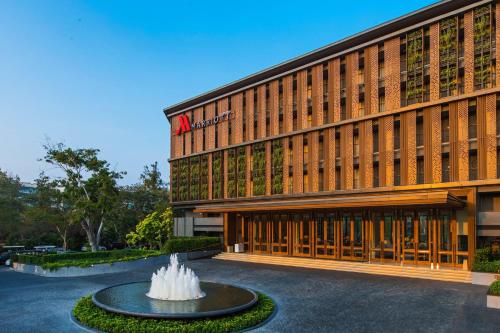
89, 186
50, 205
154, 230
151, 177
11, 206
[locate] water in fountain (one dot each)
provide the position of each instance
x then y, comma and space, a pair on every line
175, 283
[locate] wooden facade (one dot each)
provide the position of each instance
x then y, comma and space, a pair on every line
356, 123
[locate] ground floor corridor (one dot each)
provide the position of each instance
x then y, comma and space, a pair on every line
421, 237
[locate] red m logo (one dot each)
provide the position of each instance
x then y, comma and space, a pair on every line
184, 125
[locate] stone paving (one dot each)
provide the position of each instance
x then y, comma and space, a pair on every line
308, 300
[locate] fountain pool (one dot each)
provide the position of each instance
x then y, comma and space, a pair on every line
174, 292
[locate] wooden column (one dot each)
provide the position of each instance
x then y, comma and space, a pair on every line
198, 132
386, 151
329, 158
459, 141
261, 105
274, 107
469, 52
487, 143
334, 90
298, 164
392, 74
408, 152
366, 154
352, 88
432, 145
317, 95
346, 154
249, 98
288, 104
434, 62
302, 99
174, 124
497, 38
210, 130
237, 118
223, 125
371, 84
313, 168
225, 220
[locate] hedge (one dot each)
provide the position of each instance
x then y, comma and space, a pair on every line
189, 244
487, 261
91, 316
83, 259
495, 288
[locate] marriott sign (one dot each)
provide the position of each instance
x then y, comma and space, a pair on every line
186, 126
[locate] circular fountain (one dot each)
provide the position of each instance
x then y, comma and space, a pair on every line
174, 292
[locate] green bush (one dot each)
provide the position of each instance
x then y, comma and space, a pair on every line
189, 244
495, 288
91, 316
83, 259
486, 261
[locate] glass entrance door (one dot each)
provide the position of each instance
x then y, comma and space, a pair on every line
260, 230
242, 231
325, 237
408, 236
376, 226
424, 239
446, 241
301, 226
346, 237
280, 234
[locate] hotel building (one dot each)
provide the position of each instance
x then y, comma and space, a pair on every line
384, 146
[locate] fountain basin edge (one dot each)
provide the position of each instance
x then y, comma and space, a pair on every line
130, 299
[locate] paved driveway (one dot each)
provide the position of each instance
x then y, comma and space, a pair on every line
308, 300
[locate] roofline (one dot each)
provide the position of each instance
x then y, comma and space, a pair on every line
369, 36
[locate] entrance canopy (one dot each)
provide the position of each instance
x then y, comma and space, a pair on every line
416, 198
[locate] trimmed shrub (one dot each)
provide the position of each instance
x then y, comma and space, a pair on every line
190, 244
486, 261
495, 288
91, 316
83, 259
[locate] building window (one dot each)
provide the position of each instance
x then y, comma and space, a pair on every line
321, 154
356, 145
381, 103
290, 166
498, 112
445, 125
280, 107
216, 127
268, 111
498, 162
483, 47
376, 182
255, 112
420, 131
397, 141
397, 173
445, 168
375, 139
472, 120
294, 103
473, 165
337, 143
244, 116
337, 178
204, 147
420, 170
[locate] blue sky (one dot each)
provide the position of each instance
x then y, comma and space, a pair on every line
98, 73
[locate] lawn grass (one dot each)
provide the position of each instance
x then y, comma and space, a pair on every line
94, 317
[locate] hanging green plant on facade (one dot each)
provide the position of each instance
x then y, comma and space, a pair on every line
277, 167
194, 176
259, 169
204, 177
448, 57
414, 67
217, 179
174, 185
184, 179
242, 162
231, 173
483, 47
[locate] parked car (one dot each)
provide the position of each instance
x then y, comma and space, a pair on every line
45, 248
9, 251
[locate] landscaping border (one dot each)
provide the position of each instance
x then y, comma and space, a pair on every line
257, 316
116, 267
